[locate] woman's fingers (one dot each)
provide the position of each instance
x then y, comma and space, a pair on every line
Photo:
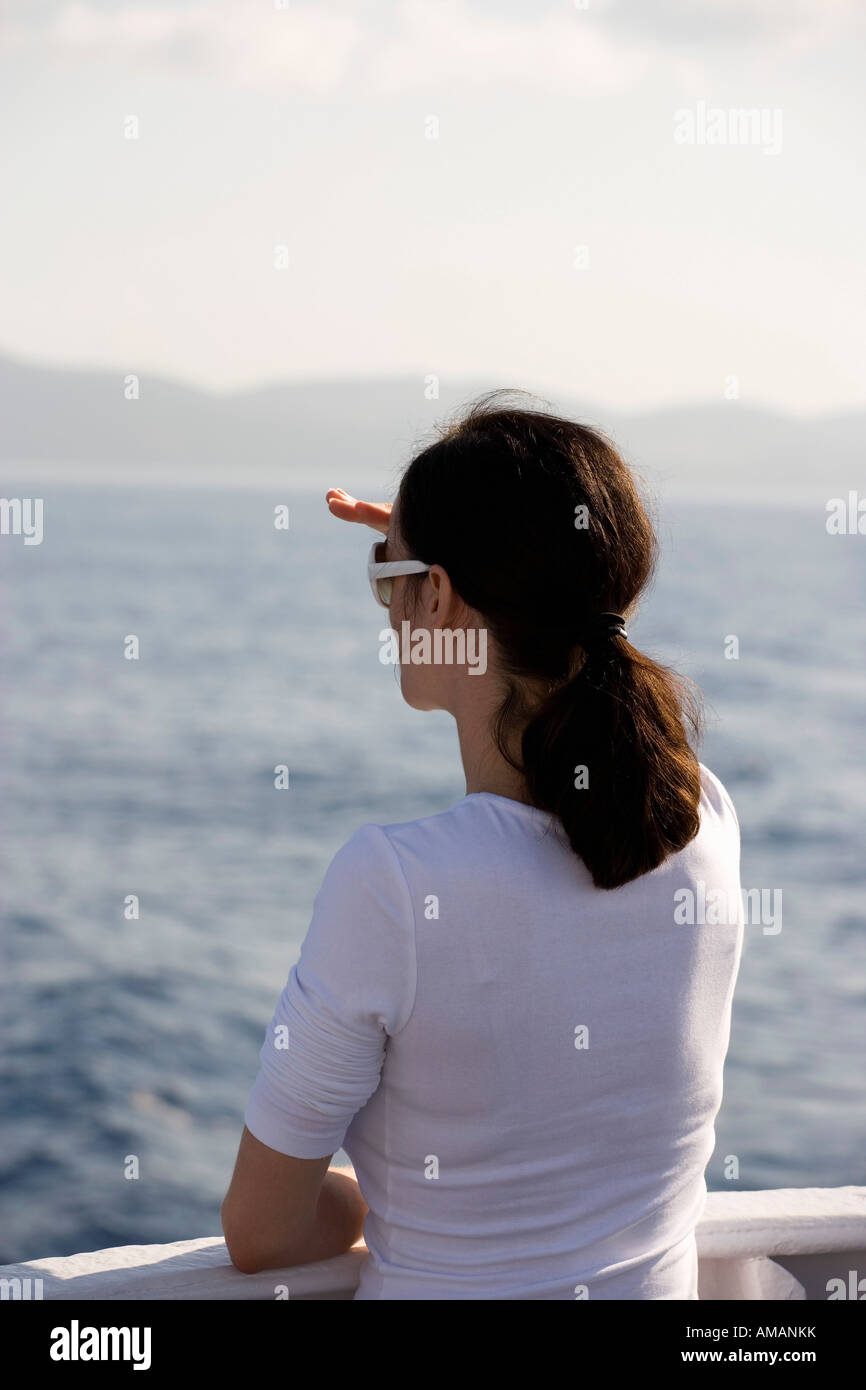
373, 514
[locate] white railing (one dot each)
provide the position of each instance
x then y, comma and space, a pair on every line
789, 1243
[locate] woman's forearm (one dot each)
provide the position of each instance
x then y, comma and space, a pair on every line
336, 1225
339, 1215
281, 1211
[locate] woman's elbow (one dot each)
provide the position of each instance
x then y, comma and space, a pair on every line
247, 1260
243, 1260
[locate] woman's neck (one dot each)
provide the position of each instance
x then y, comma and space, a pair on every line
484, 766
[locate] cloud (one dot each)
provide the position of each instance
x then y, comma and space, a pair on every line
305, 47
606, 47
770, 23
443, 40
319, 48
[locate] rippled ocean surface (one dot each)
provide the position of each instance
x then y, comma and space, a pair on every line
260, 647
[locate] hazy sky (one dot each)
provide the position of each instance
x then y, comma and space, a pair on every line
264, 125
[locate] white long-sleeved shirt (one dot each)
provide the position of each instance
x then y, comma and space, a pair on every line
525, 1070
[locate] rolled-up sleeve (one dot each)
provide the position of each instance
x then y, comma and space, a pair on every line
352, 988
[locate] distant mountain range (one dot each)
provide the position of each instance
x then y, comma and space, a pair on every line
68, 423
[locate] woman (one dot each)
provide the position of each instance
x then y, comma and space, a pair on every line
498, 1011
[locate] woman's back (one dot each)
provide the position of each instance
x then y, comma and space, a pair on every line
538, 1063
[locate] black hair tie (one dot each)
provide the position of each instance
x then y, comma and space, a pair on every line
602, 627
612, 624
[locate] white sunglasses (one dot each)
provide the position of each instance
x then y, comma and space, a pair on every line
381, 573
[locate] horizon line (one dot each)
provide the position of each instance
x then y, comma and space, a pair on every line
753, 407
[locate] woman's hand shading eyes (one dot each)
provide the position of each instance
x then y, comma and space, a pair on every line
376, 515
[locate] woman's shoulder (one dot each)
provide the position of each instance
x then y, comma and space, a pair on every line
450, 834
378, 845
716, 796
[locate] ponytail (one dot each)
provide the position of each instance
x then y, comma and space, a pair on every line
608, 754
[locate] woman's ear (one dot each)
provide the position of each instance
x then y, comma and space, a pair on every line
435, 576
444, 606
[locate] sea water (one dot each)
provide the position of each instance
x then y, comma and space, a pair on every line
156, 884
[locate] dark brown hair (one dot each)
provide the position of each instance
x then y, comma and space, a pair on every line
499, 500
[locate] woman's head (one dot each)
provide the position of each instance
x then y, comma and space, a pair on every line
533, 528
